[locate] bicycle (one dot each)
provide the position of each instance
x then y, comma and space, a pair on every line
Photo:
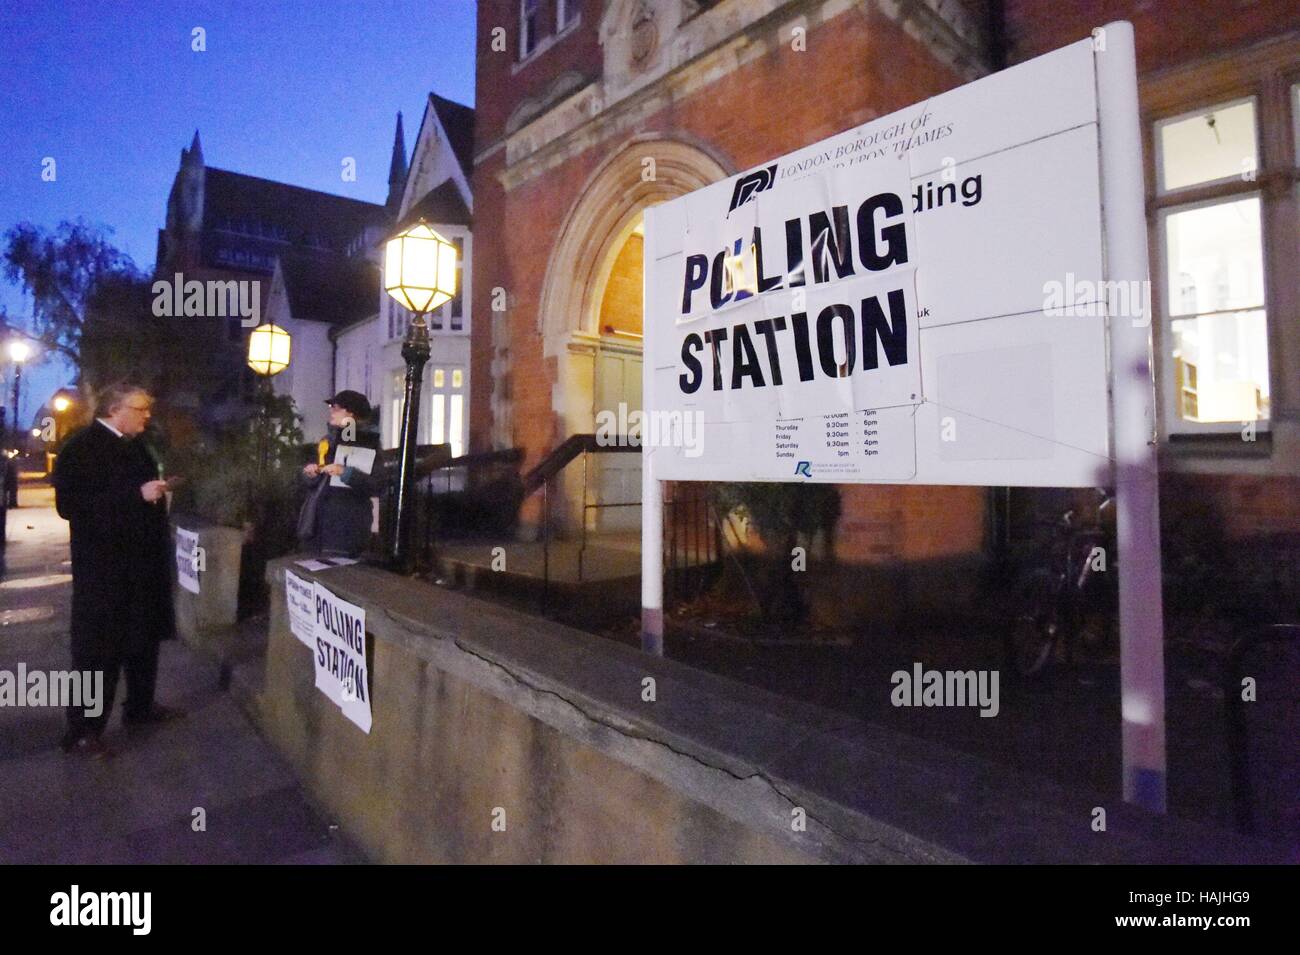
1066, 602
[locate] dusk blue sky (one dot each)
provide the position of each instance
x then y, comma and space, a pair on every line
286, 89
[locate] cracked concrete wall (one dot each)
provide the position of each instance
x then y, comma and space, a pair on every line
458, 736
479, 708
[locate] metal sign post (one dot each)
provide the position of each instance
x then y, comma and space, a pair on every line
652, 554
971, 206
1141, 610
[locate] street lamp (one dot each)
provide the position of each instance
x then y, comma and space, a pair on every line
420, 274
19, 352
268, 350
61, 404
268, 355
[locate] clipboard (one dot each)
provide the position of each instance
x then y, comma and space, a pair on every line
353, 456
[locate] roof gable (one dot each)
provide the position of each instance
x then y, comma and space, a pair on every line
337, 290
442, 205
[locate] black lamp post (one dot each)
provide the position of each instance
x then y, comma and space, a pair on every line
420, 273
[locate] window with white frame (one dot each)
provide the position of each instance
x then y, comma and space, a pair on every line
399, 319
447, 408
1210, 235
529, 26
451, 314
566, 11
396, 399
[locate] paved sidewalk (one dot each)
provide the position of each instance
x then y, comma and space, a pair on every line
138, 806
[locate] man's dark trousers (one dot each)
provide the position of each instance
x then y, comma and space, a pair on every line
141, 670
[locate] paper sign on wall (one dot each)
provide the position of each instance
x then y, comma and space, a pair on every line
300, 597
339, 634
187, 564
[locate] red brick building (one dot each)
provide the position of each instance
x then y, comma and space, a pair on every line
591, 110
577, 101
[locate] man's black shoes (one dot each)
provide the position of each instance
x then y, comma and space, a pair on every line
88, 745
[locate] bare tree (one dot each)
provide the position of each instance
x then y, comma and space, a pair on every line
61, 271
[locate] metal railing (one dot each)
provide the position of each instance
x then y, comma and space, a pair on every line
481, 495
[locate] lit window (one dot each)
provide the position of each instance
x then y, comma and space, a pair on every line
528, 26
1210, 145
439, 378
437, 420
1212, 271
398, 385
1214, 294
457, 378
454, 426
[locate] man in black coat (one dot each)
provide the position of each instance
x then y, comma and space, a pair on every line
108, 487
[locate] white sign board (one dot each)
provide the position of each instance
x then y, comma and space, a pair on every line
300, 599
887, 305
187, 562
339, 631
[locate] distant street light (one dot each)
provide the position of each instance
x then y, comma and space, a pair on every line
420, 274
19, 352
61, 403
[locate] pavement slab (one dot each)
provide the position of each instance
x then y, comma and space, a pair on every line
141, 805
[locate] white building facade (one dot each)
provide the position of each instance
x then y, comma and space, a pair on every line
368, 352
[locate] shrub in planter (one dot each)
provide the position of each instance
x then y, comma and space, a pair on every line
782, 513
229, 487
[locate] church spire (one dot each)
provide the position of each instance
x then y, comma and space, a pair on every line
397, 168
195, 153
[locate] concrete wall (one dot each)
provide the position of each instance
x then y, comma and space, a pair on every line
205, 620
477, 707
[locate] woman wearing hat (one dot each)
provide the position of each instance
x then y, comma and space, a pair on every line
337, 516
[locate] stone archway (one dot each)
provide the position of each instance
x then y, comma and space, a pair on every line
606, 211
646, 171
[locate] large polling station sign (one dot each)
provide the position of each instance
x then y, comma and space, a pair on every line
335, 632
938, 296
873, 307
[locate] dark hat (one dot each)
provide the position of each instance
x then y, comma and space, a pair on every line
354, 402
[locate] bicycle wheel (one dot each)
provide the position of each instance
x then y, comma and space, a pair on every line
1033, 633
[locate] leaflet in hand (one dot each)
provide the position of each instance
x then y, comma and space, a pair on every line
350, 455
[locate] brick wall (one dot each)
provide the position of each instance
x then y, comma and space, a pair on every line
1168, 32
502, 82
855, 67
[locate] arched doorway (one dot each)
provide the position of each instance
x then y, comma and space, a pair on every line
590, 312
616, 478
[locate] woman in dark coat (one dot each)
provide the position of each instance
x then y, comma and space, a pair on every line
338, 513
